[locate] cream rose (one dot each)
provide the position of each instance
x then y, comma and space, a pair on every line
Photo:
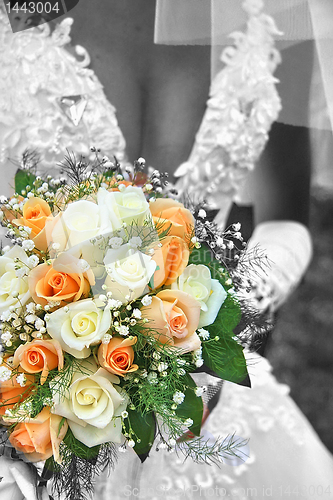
92, 405
129, 272
197, 281
14, 291
81, 221
78, 326
129, 206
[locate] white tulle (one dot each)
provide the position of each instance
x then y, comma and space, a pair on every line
211, 22
203, 22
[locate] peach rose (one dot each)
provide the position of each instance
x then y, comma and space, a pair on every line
39, 438
36, 215
111, 184
117, 356
56, 282
171, 259
167, 212
39, 356
173, 317
11, 392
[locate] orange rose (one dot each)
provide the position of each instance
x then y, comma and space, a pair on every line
39, 356
11, 391
167, 212
36, 215
47, 285
39, 438
114, 181
171, 259
173, 317
117, 356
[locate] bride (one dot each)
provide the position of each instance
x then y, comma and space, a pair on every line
159, 120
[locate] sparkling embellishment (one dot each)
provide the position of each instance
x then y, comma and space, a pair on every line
73, 106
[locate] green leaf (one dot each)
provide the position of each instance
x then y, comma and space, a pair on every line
22, 179
108, 174
144, 428
192, 406
225, 358
227, 319
79, 449
62, 421
205, 256
49, 468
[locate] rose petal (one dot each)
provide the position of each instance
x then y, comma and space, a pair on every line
214, 303
187, 303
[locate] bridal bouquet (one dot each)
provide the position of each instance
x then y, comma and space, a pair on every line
111, 294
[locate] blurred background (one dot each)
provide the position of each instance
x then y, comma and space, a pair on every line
301, 347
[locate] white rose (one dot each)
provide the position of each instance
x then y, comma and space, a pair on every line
129, 206
81, 221
129, 272
10, 284
78, 326
197, 281
91, 405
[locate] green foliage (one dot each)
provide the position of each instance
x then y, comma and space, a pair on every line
202, 451
227, 319
205, 256
226, 358
79, 449
224, 355
23, 178
143, 427
108, 174
73, 478
192, 406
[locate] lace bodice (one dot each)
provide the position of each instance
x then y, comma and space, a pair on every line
49, 99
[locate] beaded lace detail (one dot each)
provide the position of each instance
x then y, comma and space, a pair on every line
242, 106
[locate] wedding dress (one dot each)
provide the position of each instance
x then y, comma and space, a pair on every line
285, 458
